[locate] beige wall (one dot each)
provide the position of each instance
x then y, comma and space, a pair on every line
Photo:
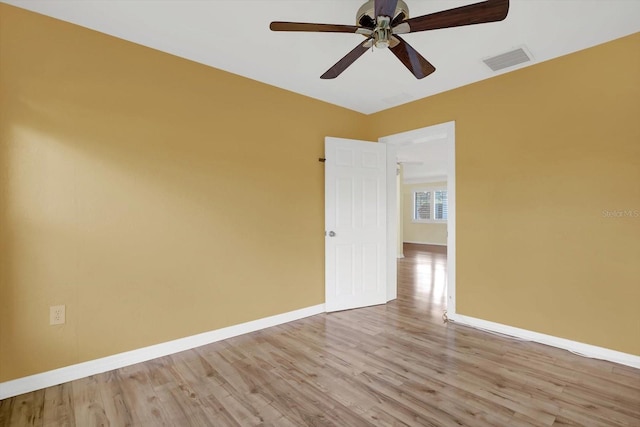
540, 154
421, 232
157, 198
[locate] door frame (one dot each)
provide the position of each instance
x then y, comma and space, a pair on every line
436, 132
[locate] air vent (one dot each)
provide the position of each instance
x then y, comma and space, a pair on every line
508, 59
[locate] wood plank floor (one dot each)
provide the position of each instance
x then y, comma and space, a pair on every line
390, 365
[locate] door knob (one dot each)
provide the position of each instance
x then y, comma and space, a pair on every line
332, 234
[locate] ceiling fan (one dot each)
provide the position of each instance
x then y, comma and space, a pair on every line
382, 22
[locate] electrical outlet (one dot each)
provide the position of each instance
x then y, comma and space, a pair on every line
56, 315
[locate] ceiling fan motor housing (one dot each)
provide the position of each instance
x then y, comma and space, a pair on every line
368, 10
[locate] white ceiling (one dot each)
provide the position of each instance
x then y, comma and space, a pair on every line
423, 161
234, 35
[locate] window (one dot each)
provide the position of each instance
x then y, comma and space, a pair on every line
430, 205
422, 205
440, 205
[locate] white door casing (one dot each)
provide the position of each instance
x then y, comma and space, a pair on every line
355, 224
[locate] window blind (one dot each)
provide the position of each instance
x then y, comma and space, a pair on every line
422, 205
441, 205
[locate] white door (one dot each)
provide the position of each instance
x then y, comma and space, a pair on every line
355, 224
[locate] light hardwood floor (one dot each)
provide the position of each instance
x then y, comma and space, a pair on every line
396, 364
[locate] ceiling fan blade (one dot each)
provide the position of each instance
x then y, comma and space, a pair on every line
346, 61
411, 59
385, 8
320, 28
477, 13
398, 19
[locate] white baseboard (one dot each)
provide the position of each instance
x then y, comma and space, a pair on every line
579, 348
425, 243
109, 363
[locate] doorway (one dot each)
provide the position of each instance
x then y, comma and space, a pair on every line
442, 134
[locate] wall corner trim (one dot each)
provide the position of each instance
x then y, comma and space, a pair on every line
116, 361
581, 349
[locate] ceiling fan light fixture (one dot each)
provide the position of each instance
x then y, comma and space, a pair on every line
382, 32
382, 44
